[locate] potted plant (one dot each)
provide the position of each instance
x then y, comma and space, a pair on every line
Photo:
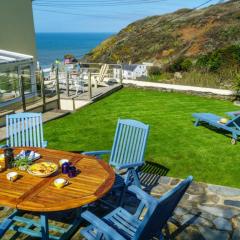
68, 58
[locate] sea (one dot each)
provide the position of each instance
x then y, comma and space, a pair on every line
52, 46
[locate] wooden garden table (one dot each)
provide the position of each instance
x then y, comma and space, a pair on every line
34, 194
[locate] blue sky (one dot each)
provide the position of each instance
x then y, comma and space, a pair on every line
96, 18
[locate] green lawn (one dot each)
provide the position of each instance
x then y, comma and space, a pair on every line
173, 142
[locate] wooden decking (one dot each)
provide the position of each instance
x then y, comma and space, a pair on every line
95, 92
73, 102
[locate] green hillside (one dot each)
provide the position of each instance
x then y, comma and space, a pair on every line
161, 39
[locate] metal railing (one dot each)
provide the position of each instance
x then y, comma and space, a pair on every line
23, 92
74, 79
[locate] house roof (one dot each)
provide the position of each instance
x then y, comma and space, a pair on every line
9, 59
130, 67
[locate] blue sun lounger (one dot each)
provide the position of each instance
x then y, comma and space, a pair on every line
232, 126
233, 114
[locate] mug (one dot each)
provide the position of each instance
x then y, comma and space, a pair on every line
72, 172
60, 182
62, 161
12, 176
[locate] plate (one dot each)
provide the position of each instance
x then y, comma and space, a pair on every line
36, 156
42, 169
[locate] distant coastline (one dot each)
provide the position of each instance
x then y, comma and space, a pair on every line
51, 46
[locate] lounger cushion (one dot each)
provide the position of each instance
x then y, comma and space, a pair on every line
223, 120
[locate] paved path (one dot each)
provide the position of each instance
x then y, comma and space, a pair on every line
206, 212
215, 91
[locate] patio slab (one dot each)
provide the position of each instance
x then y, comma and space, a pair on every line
207, 211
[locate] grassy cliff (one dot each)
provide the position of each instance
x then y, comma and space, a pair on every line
185, 33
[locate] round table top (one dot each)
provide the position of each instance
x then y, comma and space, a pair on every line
31, 193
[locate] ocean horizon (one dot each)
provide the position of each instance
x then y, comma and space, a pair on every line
52, 46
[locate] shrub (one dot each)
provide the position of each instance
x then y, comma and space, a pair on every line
210, 62
215, 61
186, 65
223, 57
236, 85
176, 65
154, 70
202, 62
234, 51
180, 65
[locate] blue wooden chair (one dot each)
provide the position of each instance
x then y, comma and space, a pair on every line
24, 130
127, 153
232, 126
121, 225
128, 148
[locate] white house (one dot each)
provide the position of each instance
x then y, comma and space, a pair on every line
131, 71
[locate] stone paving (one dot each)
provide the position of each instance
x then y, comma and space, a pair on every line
206, 212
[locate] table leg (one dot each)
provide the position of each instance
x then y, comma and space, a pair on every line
44, 226
74, 226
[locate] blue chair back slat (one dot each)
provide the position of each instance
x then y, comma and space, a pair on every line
23, 135
159, 211
30, 131
34, 132
27, 132
24, 129
121, 146
11, 132
38, 132
125, 144
15, 132
41, 128
235, 120
132, 153
117, 142
140, 143
7, 130
129, 143
136, 144
19, 131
